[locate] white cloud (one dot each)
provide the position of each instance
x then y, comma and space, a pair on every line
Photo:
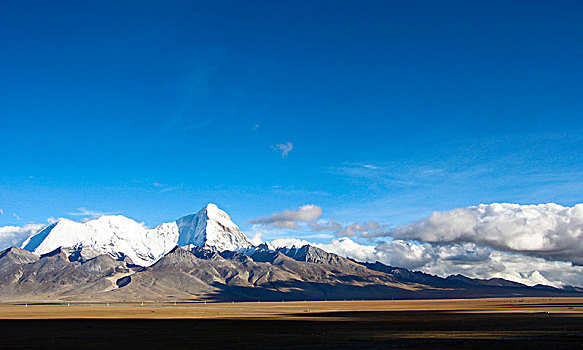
284, 148
289, 243
548, 231
1, 212
289, 219
15, 235
256, 239
348, 248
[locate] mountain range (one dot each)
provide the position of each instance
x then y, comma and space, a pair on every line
206, 257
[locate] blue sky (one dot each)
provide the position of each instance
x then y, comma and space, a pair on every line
394, 109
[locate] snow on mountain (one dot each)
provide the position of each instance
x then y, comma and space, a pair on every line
115, 235
119, 236
211, 228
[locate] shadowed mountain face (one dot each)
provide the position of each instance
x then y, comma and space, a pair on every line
195, 273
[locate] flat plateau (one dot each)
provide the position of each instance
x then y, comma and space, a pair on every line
539, 323
313, 310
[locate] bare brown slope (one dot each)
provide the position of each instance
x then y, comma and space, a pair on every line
305, 273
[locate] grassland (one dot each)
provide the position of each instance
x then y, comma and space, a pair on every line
478, 323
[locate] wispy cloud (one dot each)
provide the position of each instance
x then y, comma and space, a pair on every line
90, 213
291, 191
166, 188
432, 171
389, 174
1, 212
284, 148
367, 166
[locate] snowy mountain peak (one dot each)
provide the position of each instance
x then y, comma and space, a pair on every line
213, 208
115, 235
211, 228
120, 237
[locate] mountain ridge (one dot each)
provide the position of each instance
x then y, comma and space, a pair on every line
120, 236
199, 274
205, 256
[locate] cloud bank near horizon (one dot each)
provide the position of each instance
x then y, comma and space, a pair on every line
549, 231
531, 244
467, 259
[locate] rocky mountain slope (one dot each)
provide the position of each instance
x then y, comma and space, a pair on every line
194, 273
206, 257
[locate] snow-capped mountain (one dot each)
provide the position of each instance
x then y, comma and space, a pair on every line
211, 228
118, 236
213, 261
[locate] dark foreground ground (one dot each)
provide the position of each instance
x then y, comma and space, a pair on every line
329, 330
